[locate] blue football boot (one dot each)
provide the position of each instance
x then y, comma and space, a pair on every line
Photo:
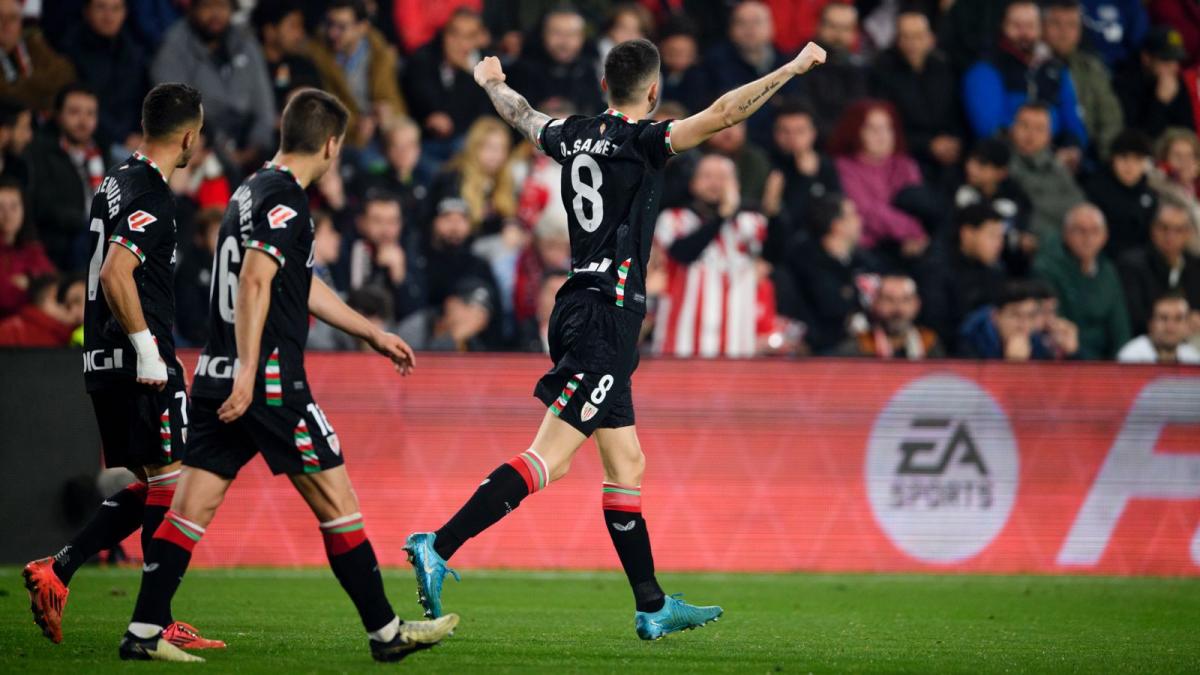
431, 571
675, 615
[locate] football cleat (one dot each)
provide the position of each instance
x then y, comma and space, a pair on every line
675, 615
414, 636
134, 648
47, 597
184, 636
431, 571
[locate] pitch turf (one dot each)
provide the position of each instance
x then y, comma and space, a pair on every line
285, 621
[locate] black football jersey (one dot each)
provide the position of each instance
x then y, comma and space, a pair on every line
135, 209
268, 213
611, 183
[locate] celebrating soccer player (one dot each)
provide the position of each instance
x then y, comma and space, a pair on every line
135, 382
611, 180
251, 394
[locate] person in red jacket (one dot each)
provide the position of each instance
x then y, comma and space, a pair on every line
44, 322
21, 257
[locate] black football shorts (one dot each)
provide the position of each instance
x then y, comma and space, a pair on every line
294, 437
594, 346
140, 426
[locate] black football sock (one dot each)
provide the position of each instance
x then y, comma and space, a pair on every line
497, 496
166, 562
624, 522
158, 501
118, 517
353, 562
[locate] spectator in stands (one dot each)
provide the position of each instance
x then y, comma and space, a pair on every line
842, 79
819, 278
969, 29
1098, 104
747, 55
1058, 336
1122, 191
752, 163
16, 132
682, 76
1115, 28
459, 324
442, 93
1183, 16
22, 257
401, 175
378, 258
108, 59
1086, 283
537, 332
626, 21
995, 88
66, 167
988, 183
1152, 89
359, 67
1162, 265
327, 250
224, 62
448, 256
1005, 330
1178, 156
547, 254
965, 273
417, 22
893, 332
559, 66
43, 322
193, 279
800, 175
711, 243
1165, 340
1035, 168
33, 72
920, 82
279, 25
874, 168
796, 22
481, 174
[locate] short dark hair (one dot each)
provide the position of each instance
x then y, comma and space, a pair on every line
628, 66
1131, 142
10, 111
975, 215
42, 286
1016, 290
66, 282
795, 106
60, 99
1169, 296
1041, 289
168, 107
1034, 105
271, 13
310, 118
992, 152
823, 212
357, 6
380, 196
1060, 4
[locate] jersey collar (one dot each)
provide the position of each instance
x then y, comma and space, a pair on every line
619, 115
282, 168
149, 162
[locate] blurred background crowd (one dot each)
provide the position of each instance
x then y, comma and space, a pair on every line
989, 179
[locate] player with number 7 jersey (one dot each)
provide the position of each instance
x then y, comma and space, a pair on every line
611, 179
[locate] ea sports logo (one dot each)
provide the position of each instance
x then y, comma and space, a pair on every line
941, 469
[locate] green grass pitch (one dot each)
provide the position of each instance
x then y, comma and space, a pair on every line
296, 621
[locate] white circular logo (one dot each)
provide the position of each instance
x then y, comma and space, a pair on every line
942, 469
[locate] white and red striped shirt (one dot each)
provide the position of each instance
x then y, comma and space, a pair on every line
713, 306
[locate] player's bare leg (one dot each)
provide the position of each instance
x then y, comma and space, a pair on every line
547, 459
352, 559
624, 464
198, 495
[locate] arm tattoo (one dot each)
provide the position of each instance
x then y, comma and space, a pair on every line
516, 110
757, 97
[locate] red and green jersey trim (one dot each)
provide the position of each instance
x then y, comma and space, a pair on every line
564, 397
164, 434
282, 168
133, 248
304, 444
270, 250
621, 498
533, 470
667, 138
152, 164
274, 385
622, 276
619, 115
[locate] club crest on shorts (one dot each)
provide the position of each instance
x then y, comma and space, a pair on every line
279, 216
138, 220
589, 411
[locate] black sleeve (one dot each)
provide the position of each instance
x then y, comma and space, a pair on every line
147, 220
555, 137
276, 223
688, 248
654, 139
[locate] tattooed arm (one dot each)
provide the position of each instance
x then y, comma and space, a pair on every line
512, 106
742, 102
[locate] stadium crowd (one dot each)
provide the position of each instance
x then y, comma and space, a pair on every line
997, 179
